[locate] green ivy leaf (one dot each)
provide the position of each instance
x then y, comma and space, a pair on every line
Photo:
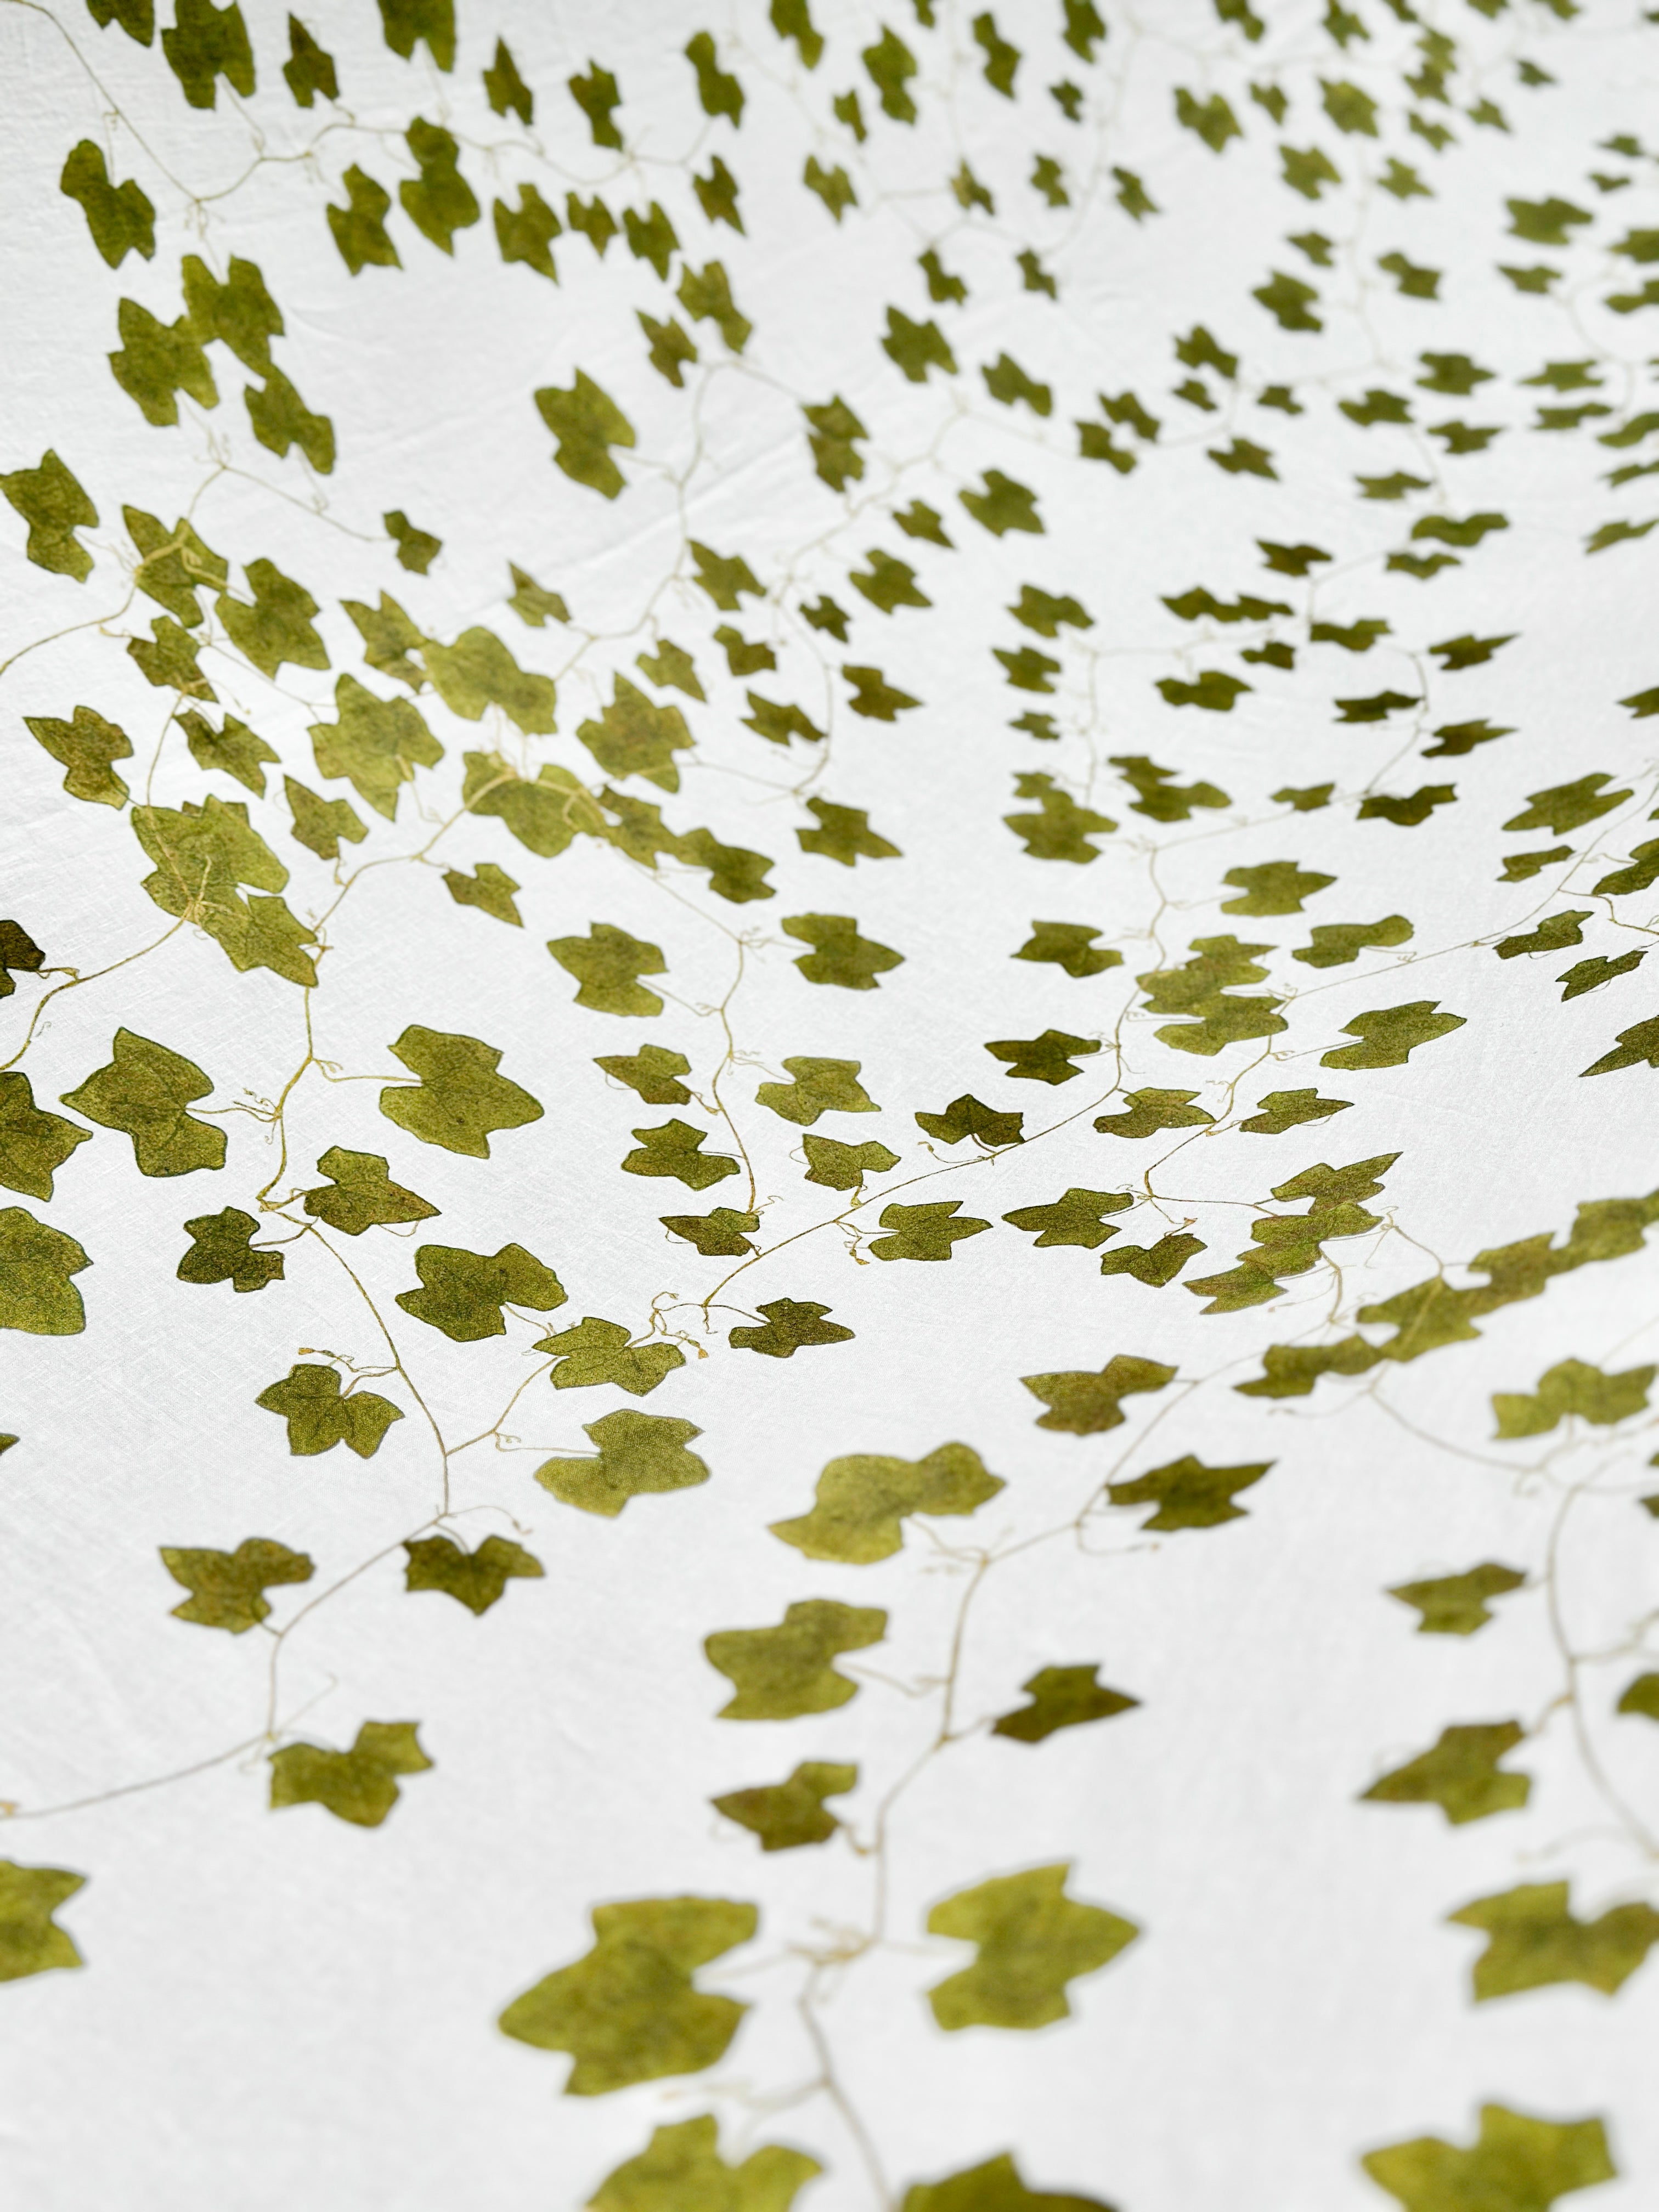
85, 747
526, 232
439, 201
34, 1144
478, 672
1533, 1940
862, 1499
1074, 1218
780, 1674
786, 1815
634, 737
1032, 1940
843, 1167
596, 1351
1334, 943
142, 1091
587, 422
31, 1941
1062, 830
1045, 1059
1083, 1403
321, 823
406, 22
1187, 1494
359, 228
308, 1398
359, 1785
605, 964
874, 697
474, 1579
1288, 1110
1516, 2160
638, 1454
1149, 1111
157, 361
227, 1588
1572, 1387
1061, 1697
234, 750
36, 1294
672, 1148
817, 1087
1390, 1034
1069, 945
276, 626
1004, 505
1155, 1265
376, 744
222, 1250
1460, 1773
54, 505
681, 2168
308, 69
723, 1234
462, 1293
491, 890
205, 43
839, 955
121, 217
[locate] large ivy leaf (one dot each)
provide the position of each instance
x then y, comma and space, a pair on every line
143, 1091
790, 1323
1062, 1698
1074, 1218
478, 672
862, 1500
923, 1232
376, 744
359, 1785
459, 1099
839, 955
227, 1588
1533, 1939
31, 1941
462, 1293
606, 963
587, 422
1032, 1939
817, 1087
50, 499
628, 2010
1390, 1034
1187, 1494
34, 1144
222, 1250
780, 1673
638, 1453
361, 1194
319, 1416
36, 1262
674, 1148
1460, 1773
1082, 1403
84, 747
1516, 2161
786, 1815
474, 1579
596, 1351
1572, 1387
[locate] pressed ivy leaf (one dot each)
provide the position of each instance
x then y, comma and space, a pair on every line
478, 672
1082, 1403
1045, 1059
84, 747
722, 1234
1390, 1034
1460, 1773
36, 1262
606, 963
222, 1250
1534, 1939
309, 69
406, 23
1641, 1696
321, 823
790, 1322
19, 954
359, 1785
786, 1815
227, 1588
968, 1117
586, 423
1276, 887
839, 955
1032, 1941
1149, 1111
994, 2186
1069, 945
596, 1351
1187, 1494
376, 744
1456, 1604
1061, 1697
674, 1148
780, 1673
462, 1293
235, 750
491, 890
874, 697
1590, 975
167, 658
359, 228
628, 2010
681, 2168
1004, 505
1074, 1218
1334, 943
33, 1144
205, 43
632, 736
51, 502
843, 1167
1516, 2160
143, 1091
31, 1941
389, 637
545, 813
1288, 1110
817, 1087
319, 1416
862, 1499
1155, 1265
460, 1100
157, 361
654, 1071
1572, 1387
275, 625
1636, 1046
638, 1453
121, 217
474, 1579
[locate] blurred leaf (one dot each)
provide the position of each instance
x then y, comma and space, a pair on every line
227, 1588
638, 1454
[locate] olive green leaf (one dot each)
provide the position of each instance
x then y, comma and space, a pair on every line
1004, 505
835, 188
670, 666
638, 1453
786, 1815
19, 954
54, 504
1288, 1110
1061, 1697
143, 1091
1162, 800
843, 1167
478, 672
817, 1087
1155, 1265
33, 1144
531, 603
1187, 1494
157, 361
839, 955
1334, 943
790, 1322
1201, 986
282, 419
1567, 805
671, 348
653, 1071
1533, 1939
1591, 974
780, 1674
544, 813
834, 429
227, 1588
459, 1099
1287, 300
309, 69
1032, 1939
36, 1294
1641, 1696
275, 625
439, 201
416, 548
1406, 813
887, 583
359, 228
1390, 1034
1213, 690
605, 963
360, 1194
1638, 875
628, 2010
1045, 1059
505, 90
1150, 1111
1001, 59
793, 19
593, 219
923, 1232
671, 1148
1634, 1047
376, 744
862, 1499
681, 2170
121, 217
491, 890
1074, 1218
634, 737
319, 1417
600, 1351
1083, 1403
651, 237
1062, 830
1516, 2160
723, 1234
1279, 887
967, 1116
389, 636
1460, 1773
891, 65
168, 659
205, 43
587, 422
1456, 1604
359, 1785
996, 2186
85, 747
1068, 945
462, 1293
135, 18
406, 22
31, 1943
222, 1250
706, 296
1572, 1387
475, 1579
234, 750
874, 696
174, 564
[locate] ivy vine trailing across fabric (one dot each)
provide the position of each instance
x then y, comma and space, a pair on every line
910, 742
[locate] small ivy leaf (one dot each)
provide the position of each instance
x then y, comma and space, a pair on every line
780, 1674
817, 1087
388, 636
19, 953
526, 232
478, 672
1573, 1386
1456, 1604
725, 577
635, 737
235, 750
874, 697
996, 2186
1190, 606
1635, 1045
406, 22
1533, 1939
1157, 795
545, 814
1187, 1494
121, 217
1642, 872
1559, 931
1061, 1697
843, 1167
33, 1144
1460, 1773
638, 1453
966, 1117
359, 228
1641, 1696
135, 18
835, 188
1304, 798
31, 1941
36, 1294
1390, 1034
596, 1351
221, 1251
786, 1815
778, 724
793, 1322
920, 520
475, 1579
1530, 2162
376, 744
321, 823
308, 1398
1082, 1403
85, 747
651, 237
1074, 1218
1070, 946
654, 1071
628, 2010
1007, 383
359, 1785
1004, 505
891, 65
416, 548
717, 194
1334, 943
833, 435
605, 963
505, 90
491, 890
459, 1099
671, 349
1045, 1059
1032, 1939
593, 219
227, 1588
308, 69
670, 664
142, 1091
1150, 1111
681, 2167
1377, 708
1001, 59
1408, 811
793, 19
1155, 1265
1288, 1110
722, 1235
861, 1501
672, 1148
157, 361
205, 43
1202, 988
1591, 974
587, 422
282, 419
462, 1293
1352, 637
706, 296
839, 955
1213, 690
1278, 887
54, 505
167, 659
887, 583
